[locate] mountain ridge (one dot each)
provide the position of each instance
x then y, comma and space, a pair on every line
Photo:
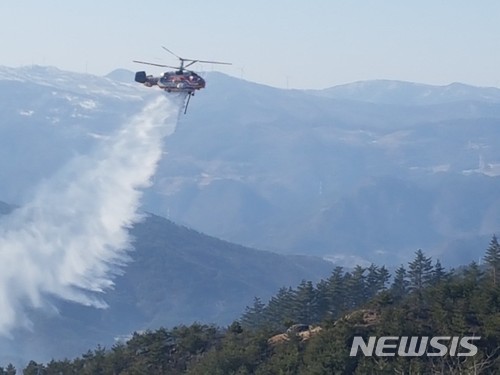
402, 92
252, 159
175, 275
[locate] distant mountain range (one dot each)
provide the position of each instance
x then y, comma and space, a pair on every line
176, 276
408, 93
369, 171
354, 172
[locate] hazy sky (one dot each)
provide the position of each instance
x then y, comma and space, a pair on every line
294, 43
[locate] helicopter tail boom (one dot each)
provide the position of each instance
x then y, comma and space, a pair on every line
146, 80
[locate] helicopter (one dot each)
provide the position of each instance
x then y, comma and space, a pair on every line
179, 81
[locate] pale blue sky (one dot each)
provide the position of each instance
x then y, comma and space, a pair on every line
294, 43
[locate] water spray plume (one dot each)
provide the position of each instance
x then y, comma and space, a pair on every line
72, 237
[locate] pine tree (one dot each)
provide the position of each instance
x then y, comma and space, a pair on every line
323, 300
355, 283
472, 275
63, 367
439, 273
10, 370
372, 281
383, 278
420, 272
280, 309
119, 358
337, 292
34, 368
399, 287
254, 316
492, 260
376, 280
305, 303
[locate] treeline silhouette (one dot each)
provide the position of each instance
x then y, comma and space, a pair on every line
419, 299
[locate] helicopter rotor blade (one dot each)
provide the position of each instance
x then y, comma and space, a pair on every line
195, 61
161, 65
166, 49
191, 63
182, 60
205, 62
214, 62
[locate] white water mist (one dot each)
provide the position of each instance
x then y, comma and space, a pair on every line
71, 237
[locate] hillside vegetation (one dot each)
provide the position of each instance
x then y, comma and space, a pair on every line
420, 299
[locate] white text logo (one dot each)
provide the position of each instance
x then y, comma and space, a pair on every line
415, 346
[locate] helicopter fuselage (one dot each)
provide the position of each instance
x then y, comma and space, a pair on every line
180, 80
185, 81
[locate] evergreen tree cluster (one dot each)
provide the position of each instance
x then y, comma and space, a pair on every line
308, 304
420, 299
